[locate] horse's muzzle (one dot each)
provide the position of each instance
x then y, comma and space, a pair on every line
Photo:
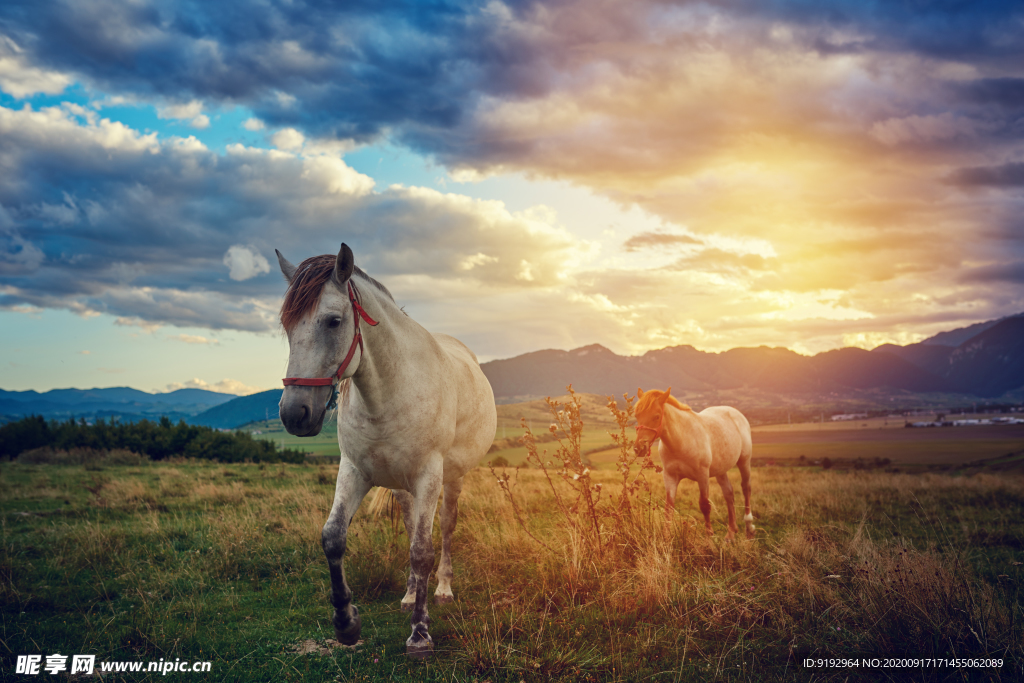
302, 410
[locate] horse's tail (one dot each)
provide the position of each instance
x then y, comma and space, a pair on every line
381, 503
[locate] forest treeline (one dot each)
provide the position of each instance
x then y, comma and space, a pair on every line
155, 440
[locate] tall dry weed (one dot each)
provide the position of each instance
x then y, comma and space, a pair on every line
602, 521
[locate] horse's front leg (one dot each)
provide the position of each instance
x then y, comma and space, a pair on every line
350, 490
671, 480
421, 555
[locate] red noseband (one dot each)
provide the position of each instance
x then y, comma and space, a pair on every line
657, 432
357, 340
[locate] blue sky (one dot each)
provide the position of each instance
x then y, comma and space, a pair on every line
520, 175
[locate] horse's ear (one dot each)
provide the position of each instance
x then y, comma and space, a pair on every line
664, 397
343, 266
639, 392
287, 269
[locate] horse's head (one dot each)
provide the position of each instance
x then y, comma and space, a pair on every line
320, 321
650, 413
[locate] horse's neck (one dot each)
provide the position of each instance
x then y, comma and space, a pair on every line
680, 422
389, 350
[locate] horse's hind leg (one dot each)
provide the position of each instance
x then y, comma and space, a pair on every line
421, 554
405, 501
449, 516
703, 483
748, 516
730, 504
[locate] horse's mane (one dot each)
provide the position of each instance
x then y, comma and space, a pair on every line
307, 286
653, 396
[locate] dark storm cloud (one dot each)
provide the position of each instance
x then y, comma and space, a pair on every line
1004, 92
339, 69
353, 70
1002, 273
1007, 175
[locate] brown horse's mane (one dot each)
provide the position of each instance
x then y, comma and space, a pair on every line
307, 286
653, 396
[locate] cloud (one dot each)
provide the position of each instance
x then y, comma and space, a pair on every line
225, 386
194, 339
1006, 175
245, 263
187, 110
99, 218
652, 239
994, 274
20, 78
924, 128
847, 138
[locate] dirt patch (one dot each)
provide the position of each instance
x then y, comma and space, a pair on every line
325, 647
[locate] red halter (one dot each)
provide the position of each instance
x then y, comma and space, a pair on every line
357, 339
657, 432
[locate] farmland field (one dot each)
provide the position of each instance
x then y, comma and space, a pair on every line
207, 562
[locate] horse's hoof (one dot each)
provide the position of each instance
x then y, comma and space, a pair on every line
419, 645
348, 634
444, 599
407, 606
419, 651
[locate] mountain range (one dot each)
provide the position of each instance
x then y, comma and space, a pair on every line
124, 402
984, 360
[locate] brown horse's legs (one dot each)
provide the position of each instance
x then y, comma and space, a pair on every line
671, 486
748, 516
705, 500
449, 516
730, 504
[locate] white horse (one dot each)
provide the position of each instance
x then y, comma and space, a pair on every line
415, 413
697, 446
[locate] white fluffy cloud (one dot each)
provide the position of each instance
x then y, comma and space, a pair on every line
20, 78
225, 386
245, 263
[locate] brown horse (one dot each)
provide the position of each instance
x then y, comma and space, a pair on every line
697, 446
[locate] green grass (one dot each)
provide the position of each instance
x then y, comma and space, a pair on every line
223, 563
944, 452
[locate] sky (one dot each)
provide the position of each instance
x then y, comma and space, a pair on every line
521, 175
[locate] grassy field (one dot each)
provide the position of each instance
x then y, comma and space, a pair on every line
206, 562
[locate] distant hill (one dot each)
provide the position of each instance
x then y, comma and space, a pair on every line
241, 410
124, 402
987, 363
597, 370
958, 336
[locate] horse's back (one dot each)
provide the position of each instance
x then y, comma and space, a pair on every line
730, 432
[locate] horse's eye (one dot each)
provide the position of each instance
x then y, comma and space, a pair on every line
333, 322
